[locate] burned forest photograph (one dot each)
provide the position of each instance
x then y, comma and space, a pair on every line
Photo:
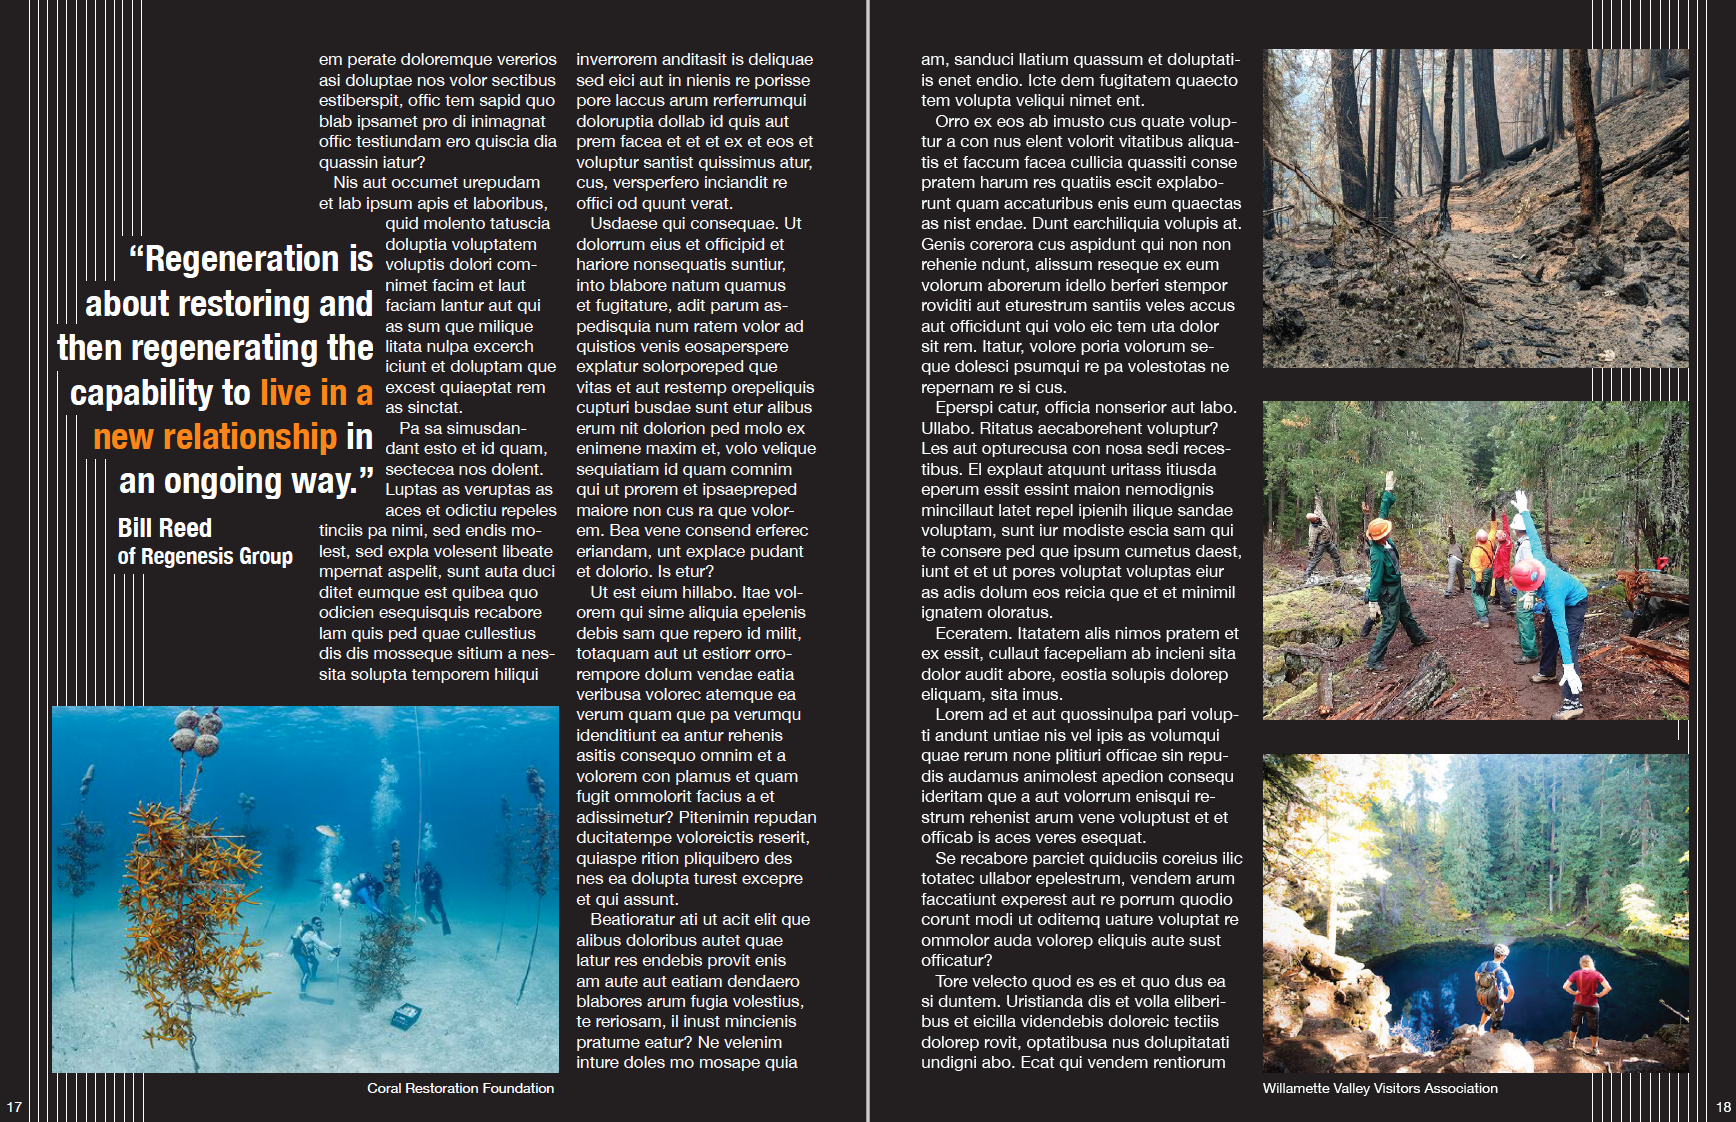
1460, 207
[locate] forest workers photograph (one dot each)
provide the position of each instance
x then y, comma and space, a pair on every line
1475, 914
1567, 523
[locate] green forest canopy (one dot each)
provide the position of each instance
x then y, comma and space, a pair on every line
1420, 842
1615, 470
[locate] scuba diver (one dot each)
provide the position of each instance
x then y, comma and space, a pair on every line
429, 878
305, 943
369, 891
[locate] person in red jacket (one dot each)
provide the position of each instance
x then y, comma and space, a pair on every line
1502, 543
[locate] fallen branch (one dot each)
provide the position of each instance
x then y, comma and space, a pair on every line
1340, 209
1325, 674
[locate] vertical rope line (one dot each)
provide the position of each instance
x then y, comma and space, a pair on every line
416, 892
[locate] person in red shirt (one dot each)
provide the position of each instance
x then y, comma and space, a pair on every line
1503, 561
1582, 984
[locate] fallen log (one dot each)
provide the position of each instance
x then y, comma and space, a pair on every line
1671, 76
1671, 660
1665, 586
1672, 147
1658, 650
1360, 711
1526, 152
1325, 673
1433, 678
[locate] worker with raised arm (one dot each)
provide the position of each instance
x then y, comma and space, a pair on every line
1385, 596
1564, 603
1526, 604
1322, 540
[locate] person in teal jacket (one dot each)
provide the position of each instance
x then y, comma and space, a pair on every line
1564, 602
1385, 596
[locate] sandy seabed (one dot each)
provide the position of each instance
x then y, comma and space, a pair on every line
468, 1024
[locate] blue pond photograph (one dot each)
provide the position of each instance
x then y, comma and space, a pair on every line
1476, 914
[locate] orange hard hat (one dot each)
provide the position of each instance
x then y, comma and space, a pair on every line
1527, 576
1379, 529
1500, 535
1313, 517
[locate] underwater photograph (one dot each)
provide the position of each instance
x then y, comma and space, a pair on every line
319, 889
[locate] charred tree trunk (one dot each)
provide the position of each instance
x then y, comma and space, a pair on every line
1388, 134
1352, 168
1658, 66
1373, 136
1490, 157
1590, 217
1269, 221
1542, 94
1445, 221
1269, 100
1556, 125
1430, 160
1598, 82
1464, 168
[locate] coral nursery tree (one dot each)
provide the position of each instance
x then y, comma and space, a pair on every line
381, 967
83, 841
183, 899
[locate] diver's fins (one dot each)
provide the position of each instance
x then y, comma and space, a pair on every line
445, 927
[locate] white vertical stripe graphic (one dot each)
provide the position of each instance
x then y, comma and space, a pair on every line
85, 620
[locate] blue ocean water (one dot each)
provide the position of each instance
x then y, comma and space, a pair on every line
305, 767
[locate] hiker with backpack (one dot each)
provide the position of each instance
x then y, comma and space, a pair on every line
1494, 990
1582, 984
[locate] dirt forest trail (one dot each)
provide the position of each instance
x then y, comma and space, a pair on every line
1479, 657
1487, 683
1531, 296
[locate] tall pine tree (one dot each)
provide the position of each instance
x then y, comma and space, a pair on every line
1465, 849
